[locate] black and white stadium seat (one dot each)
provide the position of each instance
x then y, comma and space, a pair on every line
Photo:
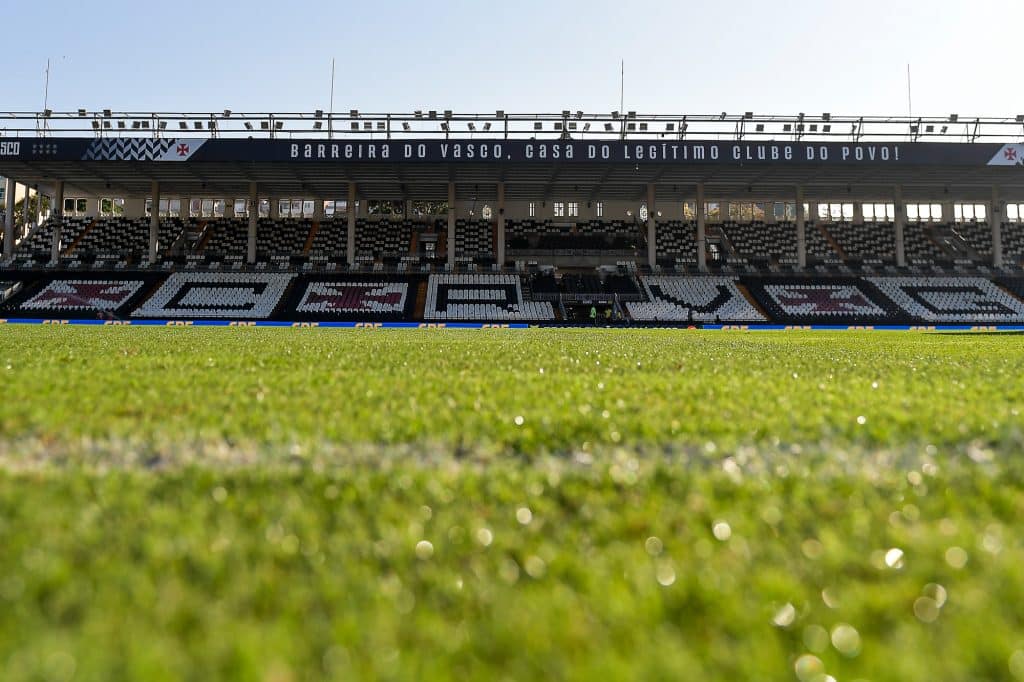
482, 297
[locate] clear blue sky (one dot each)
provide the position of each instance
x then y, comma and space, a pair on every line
525, 56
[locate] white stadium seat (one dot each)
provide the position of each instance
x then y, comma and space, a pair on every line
481, 297
671, 299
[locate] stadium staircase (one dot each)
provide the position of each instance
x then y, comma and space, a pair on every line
204, 236
442, 242
314, 228
71, 249
421, 301
948, 242
830, 239
752, 301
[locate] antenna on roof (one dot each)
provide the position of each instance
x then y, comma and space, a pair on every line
622, 96
330, 115
910, 101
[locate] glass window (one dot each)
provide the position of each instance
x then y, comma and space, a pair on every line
533, 209
759, 212
307, 208
106, 207
689, 210
599, 208
241, 208
1013, 212
81, 206
174, 208
713, 211
195, 208
69, 205
574, 209
559, 209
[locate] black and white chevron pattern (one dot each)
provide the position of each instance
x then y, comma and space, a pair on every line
128, 149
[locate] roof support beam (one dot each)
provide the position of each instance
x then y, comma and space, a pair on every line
9, 219
998, 210
57, 212
702, 245
900, 226
801, 229
154, 222
350, 237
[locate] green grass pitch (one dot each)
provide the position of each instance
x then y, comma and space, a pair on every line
291, 505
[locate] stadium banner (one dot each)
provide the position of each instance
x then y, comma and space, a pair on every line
677, 152
514, 326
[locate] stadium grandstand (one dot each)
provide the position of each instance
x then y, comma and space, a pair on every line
438, 217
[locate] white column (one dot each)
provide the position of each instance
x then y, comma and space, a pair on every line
350, 239
25, 201
948, 212
702, 247
901, 225
57, 218
451, 224
652, 227
135, 207
801, 229
501, 225
723, 211
254, 210
995, 218
154, 223
858, 213
39, 209
9, 220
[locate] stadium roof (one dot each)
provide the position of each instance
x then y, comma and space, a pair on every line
570, 155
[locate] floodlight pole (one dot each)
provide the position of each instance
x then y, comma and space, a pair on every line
330, 113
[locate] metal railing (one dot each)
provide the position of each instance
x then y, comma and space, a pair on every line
574, 125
